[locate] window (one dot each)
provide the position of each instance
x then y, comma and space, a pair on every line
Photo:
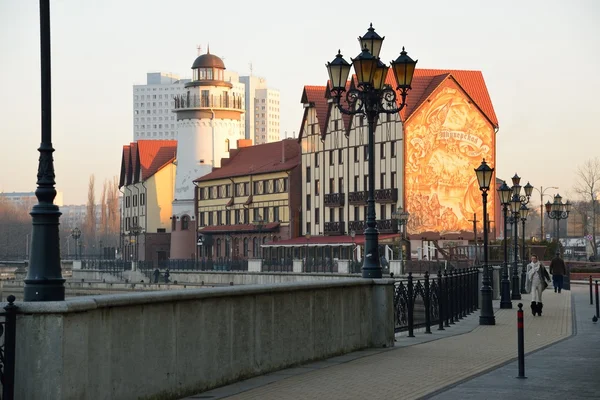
266, 214
135, 200
255, 214
393, 149
161, 230
228, 190
366, 182
202, 220
219, 218
331, 158
356, 157
362, 120
275, 214
340, 214
127, 201
185, 221
285, 184
308, 201
382, 212
317, 216
256, 187
228, 217
246, 186
366, 151
331, 185
340, 156
237, 217
382, 150
218, 247
393, 185
340, 185
308, 228
356, 213
332, 214
210, 218
246, 216
356, 183
317, 187
245, 247
382, 181
142, 199
317, 160
255, 247
335, 125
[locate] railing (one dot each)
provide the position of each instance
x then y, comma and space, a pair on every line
386, 195
278, 265
358, 198
355, 267
441, 300
319, 265
8, 327
113, 267
387, 225
334, 200
334, 228
212, 101
205, 264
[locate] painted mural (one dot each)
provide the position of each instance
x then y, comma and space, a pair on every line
446, 139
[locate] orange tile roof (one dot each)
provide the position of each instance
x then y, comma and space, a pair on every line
315, 95
259, 159
147, 156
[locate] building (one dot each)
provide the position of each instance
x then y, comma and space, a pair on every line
147, 182
209, 124
425, 160
254, 198
27, 199
262, 105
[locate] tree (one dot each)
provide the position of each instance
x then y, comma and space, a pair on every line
89, 226
587, 186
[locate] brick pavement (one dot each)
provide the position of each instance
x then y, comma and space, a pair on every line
414, 371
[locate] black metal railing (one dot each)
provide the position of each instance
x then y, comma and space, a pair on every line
358, 198
278, 265
334, 199
205, 264
319, 265
8, 331
334, 228
113, 267
386, 195
441, 299
355, 267
212, 101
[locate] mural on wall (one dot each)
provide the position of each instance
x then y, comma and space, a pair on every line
446, 139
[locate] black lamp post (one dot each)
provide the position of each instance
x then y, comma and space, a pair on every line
523, 213
557, 211
259, 225
44, 281
515, 207
505, 192
401, 216
135, 231
484, 178
76, 234
371, 97
524, 200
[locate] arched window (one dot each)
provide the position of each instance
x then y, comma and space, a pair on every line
185, 223
255, 247
245, 247
218, 247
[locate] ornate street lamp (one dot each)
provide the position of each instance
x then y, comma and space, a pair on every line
523, 212
484, 177
557, 211
135, 231
371, 97
524, 200
44, 281
505, 192
76, 234
515, 208
401, 216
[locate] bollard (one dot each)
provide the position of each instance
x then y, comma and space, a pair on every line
597, 302
521, 342
591, 297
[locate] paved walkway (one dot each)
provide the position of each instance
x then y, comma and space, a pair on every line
415, 367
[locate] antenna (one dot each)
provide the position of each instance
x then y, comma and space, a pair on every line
199, 48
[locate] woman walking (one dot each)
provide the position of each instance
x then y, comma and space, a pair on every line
537, 282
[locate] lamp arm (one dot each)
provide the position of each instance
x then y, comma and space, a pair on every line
370, 100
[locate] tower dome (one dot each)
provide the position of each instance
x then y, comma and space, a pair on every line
208, 70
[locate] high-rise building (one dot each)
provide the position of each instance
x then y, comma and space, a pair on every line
262, 106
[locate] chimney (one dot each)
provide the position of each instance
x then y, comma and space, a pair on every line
283, 151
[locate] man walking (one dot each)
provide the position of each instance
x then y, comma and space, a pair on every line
558, 269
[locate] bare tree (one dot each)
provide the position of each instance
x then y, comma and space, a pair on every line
89, 226
587, 186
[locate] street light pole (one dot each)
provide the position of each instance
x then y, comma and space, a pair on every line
557, 211
44, 281
371, 97
505, 193
523, 213
542, 192
484, 177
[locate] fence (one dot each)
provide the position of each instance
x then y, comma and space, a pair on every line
443, 299
8, 325
205, 264
278, 265
113, 267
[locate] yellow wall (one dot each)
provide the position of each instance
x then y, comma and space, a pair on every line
159, 198
445, 140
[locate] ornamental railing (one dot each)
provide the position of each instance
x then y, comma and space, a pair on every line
204, 264
441, 300
278, 265
334, 228
334, 199
386, 195
211, 101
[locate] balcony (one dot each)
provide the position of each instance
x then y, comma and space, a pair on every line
212, 101
386, 195
334, 228
358, 198
334, 200
383, 226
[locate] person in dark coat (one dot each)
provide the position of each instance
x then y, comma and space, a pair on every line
167, 274
558, 269
156, 275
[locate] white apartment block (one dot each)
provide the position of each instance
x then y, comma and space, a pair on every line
266, 113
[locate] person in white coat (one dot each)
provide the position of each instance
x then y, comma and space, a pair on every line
537, 282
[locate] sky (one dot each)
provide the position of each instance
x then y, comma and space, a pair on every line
540, 60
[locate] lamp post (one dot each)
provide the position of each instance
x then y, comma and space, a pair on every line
353, 235
401, 218
259, 225
505, 192
515, 208
557, 211
44, 281
371, 97
135, 231
542, 192
524, 200
484, 177
76, 234
307, 237
523, 213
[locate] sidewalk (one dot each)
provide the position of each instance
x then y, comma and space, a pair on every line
568, 369
415, 367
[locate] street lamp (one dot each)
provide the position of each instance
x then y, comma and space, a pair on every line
401, 216
557, 211
542, 192
353, 235
515, 208
484, 177
307, 237
523, 200
371, 97
505, 192
135, 231
44, 281
524, 211
259, 225
76, 234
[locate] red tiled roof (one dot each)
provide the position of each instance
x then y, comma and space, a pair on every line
329, 240
147, 156
259, 159
316, 95
238, 228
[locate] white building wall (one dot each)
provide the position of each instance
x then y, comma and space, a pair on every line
266, 113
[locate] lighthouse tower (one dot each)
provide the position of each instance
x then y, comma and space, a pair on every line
209, 123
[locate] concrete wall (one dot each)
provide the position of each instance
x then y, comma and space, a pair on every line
169, 345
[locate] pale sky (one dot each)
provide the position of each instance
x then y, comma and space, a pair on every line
540, 60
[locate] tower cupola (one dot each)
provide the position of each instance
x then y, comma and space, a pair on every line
208, 70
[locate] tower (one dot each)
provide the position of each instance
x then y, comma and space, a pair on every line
209, 123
